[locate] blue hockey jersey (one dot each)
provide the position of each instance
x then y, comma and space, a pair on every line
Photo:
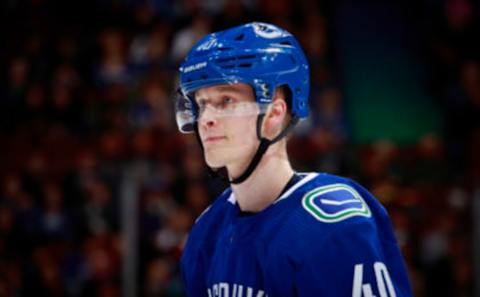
325, 236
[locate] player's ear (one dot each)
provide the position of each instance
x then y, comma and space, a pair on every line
275, 116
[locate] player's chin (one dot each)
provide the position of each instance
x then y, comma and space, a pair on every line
214, 158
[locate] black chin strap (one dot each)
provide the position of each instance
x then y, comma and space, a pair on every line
262, 148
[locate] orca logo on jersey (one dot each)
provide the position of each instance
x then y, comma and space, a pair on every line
335, 203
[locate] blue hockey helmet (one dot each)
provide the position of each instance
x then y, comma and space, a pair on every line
259, 54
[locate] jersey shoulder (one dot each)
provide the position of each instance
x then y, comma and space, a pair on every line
326, 204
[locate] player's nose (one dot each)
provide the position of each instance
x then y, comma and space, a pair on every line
208, 118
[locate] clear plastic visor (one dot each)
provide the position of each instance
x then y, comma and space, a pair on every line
222, 104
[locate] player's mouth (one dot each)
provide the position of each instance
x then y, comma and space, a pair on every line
213, 139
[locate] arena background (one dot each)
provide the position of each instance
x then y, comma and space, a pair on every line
98, 189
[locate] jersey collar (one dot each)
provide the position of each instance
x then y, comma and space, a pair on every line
306, 178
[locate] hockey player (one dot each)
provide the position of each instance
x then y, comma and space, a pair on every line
274, 232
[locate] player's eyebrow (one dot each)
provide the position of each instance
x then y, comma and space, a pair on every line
224, 90
233, 89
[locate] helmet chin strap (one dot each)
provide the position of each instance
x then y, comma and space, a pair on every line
262, 148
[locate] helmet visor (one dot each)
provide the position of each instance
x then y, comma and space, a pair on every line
189, 109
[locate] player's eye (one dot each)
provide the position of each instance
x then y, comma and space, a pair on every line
227, 102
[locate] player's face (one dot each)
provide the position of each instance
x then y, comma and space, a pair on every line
227, 123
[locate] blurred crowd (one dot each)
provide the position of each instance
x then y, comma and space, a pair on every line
86, 107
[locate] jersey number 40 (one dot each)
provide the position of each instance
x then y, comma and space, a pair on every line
384, 283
